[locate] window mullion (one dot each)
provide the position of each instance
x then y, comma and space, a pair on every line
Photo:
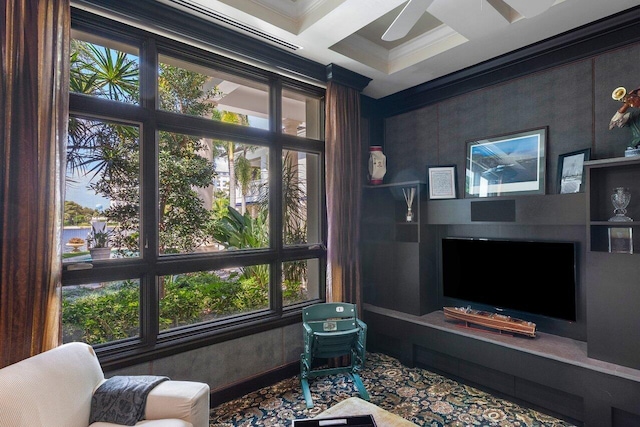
149, 194
275, 195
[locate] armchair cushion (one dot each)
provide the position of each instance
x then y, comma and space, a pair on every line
54, 389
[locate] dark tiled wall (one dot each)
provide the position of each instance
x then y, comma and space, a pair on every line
573, 100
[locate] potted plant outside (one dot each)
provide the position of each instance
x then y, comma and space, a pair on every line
98, 241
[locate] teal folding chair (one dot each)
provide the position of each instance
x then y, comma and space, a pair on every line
332, 330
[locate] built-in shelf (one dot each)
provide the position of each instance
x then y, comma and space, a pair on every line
615, 161
615, 224
612, 268
602, 177
396, 184
550, 209
394, 250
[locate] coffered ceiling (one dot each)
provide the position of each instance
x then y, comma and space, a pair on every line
443, 36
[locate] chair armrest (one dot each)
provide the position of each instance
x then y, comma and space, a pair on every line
185, 400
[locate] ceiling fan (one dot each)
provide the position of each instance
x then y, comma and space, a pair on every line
414, 9
406, 19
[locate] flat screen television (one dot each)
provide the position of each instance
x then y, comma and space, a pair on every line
537, 277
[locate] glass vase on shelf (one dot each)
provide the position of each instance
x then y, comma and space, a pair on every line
620, 199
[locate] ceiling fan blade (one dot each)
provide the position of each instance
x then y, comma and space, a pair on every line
528, 8
407, 18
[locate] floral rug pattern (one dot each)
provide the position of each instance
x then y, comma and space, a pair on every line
424, 398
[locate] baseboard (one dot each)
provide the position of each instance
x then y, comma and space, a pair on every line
239, 389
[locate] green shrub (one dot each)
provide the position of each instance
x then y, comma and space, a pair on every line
112, 313
104, 315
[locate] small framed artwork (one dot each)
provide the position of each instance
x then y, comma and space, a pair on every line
621, 240
442, 182
571, 171
507, 165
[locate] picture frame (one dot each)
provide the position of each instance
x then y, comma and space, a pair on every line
571, 171
441, 181
509, 164
620, 240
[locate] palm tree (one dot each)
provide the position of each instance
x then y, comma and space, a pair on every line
228, 149
104, 72
111, 151
243, 176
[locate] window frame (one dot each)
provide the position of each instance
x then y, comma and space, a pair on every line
152, 343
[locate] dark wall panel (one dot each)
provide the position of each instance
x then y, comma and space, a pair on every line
616, 68
542, 99
411, 143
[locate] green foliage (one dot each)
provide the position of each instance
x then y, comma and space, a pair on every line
74, 214
236, 231
181, 91
183, 214
112, 313
100, 71
99, 236
111, 152
292, 291
244, 172
109, 314
294, 198
253, 294
182, 302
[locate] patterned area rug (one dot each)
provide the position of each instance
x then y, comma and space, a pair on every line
424, 398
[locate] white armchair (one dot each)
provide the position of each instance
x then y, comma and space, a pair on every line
54, 389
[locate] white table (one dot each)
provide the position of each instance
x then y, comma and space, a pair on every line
357, 406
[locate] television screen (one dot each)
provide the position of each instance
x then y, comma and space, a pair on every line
536, 277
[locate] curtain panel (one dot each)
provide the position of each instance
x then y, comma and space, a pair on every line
34, 112
344, 192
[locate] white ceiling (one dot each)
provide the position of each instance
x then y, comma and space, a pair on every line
451, 35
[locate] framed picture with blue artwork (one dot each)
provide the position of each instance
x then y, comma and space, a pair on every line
509, 164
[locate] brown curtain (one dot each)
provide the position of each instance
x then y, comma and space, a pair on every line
344, 182
34, 111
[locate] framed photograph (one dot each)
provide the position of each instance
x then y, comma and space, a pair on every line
571, 171
507, 165
621, 240
442, 182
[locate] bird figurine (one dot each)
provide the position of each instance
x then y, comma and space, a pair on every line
623, 117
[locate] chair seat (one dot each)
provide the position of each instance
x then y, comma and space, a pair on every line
332, 330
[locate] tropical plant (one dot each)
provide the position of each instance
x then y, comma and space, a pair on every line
243, 176
294, 198
110, 151
237, 231
99, 236
111, 74
228, 149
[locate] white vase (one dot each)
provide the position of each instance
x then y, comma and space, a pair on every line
377, 165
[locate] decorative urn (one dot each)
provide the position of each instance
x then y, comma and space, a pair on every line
377, 165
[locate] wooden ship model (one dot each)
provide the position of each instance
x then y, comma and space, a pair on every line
491, 320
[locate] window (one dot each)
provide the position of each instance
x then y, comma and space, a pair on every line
211, 209
187, 88
101, 209
302, 114
104, 68
212, 295
300, 281
98, 313
301, 204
